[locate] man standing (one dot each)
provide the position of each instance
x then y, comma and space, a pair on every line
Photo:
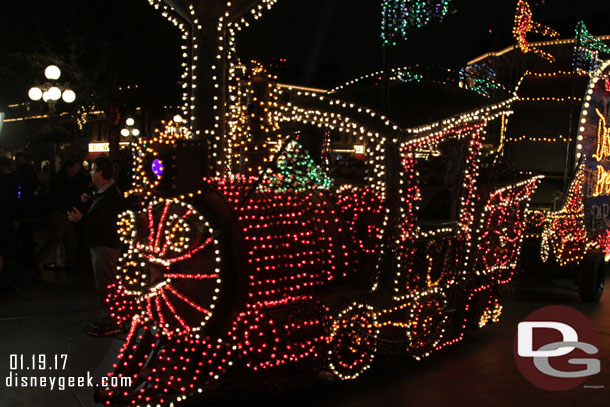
102, 238
66, 190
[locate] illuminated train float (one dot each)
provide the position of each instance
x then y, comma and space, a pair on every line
281, 273
285, 272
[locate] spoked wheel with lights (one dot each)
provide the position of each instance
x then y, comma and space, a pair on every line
171, 266
352, 340
151, 368
428, 326
168, 279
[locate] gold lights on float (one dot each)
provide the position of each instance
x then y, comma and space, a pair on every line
602, 150
602, 182
147, 150
564, 230
524, 24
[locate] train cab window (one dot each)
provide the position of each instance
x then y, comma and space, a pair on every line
439, 179
349, 170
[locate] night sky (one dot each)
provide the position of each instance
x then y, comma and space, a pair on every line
104, 44
99, 45
332, 41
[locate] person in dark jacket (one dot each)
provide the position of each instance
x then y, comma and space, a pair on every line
66, 190
101, 235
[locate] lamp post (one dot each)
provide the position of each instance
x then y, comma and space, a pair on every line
130, 131
50, 92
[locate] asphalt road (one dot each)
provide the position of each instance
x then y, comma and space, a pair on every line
39, 318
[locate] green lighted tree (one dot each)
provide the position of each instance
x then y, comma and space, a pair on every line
587, 49
295, 171
399, 16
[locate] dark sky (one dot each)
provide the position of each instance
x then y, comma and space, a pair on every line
335, 40
99, 45
326, 42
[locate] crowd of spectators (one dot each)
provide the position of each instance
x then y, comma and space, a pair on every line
59, 227
37, 239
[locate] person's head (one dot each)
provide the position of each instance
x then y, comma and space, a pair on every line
19, 158
71, 167
101, 170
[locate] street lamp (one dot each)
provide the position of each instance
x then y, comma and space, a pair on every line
50, 92
130, 130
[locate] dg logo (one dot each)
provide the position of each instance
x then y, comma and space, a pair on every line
556, 348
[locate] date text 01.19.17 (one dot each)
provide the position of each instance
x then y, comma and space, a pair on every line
38, 362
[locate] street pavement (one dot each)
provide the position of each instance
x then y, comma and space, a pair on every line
41, 318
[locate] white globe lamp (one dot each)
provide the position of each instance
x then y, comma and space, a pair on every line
68, 96
54, 93
52, 72
35, 93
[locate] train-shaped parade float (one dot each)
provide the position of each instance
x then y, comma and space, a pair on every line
243, 255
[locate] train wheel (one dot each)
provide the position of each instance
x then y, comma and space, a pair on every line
352, 341
592, 277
